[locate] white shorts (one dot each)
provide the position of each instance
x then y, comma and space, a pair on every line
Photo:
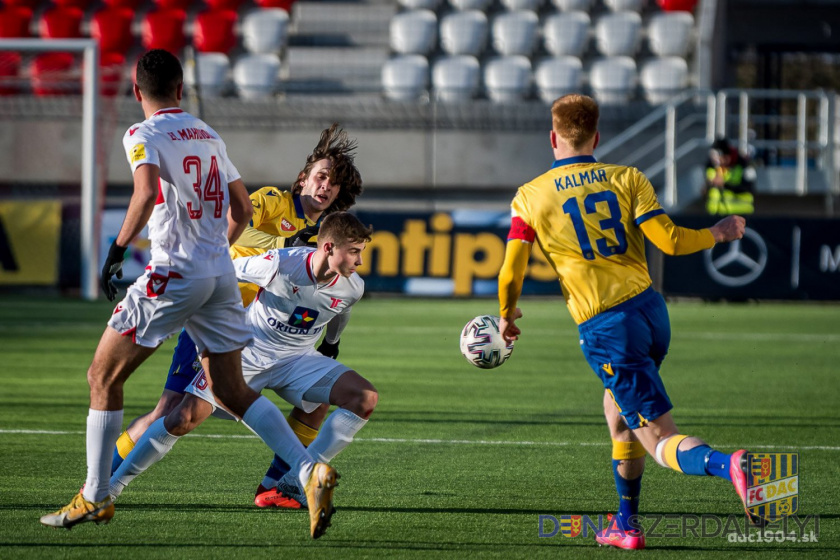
156, 306
301, 379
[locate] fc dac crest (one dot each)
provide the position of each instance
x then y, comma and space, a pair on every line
773, 485
570, 525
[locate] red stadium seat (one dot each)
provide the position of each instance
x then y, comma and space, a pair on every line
224, 4
164, 29
54, 74
59, 22
122, 3
9, 73
14, 21
31, 4
111, 27
111, 67
284, 4
213, 31
173, 4
677, 5
81, 4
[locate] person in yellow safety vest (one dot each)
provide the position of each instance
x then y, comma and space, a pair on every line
729, 181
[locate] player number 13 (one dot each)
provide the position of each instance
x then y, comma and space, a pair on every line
613, 222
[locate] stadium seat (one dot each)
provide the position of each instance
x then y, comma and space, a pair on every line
224, 4
558, 76
677, 5
163, 28
625, 5
9, 73
569, 5
55, 73
455, 78
507, 78
81, 4
213, 31
122, 3
513, 5
515, 32
405, 77
613, 79
414, 32
255, 75
663, 78
420, 4
213, 68
173, 4
265, 31
14, 21
282, 4
462, 5
111, 70
566, 33
618, 33
669, 33
111, 27
31, 4
463, 32
59, 22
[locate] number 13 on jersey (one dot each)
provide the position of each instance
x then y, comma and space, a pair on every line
611, 222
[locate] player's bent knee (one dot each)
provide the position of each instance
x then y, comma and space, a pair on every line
367, 402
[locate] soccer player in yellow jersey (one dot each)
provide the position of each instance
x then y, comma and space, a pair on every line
590, 219
329, 182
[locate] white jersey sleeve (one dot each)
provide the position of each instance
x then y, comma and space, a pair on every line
140, 148
259, 269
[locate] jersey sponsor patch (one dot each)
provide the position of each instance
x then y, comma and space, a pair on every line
138, 152
285, 225
303, 318
520, 230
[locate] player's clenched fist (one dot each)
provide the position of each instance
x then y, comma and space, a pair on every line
113, 265
728, 229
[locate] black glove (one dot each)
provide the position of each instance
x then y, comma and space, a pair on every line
113, 265
329, 350
302, 238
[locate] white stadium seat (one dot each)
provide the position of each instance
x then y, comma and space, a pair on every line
420, 4
567, 33
512, 5
265, 30
613, 79
618, 33
405, 77
255, 75
669, 33
461, 5
515, 32
558, 76
507, 78
213, 71
455, 78
621, 5
463, 32
414, 32
663, 78
568, 5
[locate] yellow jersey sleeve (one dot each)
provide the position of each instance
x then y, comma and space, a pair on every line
672, 239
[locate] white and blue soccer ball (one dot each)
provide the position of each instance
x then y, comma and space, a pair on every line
483, 345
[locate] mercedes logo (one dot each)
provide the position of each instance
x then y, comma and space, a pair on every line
737, 263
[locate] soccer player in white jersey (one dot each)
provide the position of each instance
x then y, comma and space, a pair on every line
195, 203
302, 289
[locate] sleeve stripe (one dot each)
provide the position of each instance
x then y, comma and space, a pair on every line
645, 217
520, 230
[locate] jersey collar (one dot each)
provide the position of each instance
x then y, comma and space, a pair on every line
311, 273
299, 210
574, 159
168, 110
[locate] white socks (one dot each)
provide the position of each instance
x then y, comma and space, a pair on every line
265, 420
103, 429
336, 434
152, 446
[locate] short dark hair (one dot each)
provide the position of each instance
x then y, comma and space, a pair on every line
574, 118
340, 227
340, 150
158, 74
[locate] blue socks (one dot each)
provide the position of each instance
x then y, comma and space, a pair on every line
703, 460
628, 497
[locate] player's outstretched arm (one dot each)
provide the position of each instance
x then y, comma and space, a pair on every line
241, 210
728, 229
672, 239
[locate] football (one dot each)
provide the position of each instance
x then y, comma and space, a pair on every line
482, 343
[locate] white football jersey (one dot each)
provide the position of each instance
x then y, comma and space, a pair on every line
291, 309
188, 227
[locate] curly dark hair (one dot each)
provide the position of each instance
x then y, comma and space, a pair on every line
340, 149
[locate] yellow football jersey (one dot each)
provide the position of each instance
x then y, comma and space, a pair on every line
277, 213
586, 218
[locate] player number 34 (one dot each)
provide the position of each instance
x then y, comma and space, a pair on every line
212, 187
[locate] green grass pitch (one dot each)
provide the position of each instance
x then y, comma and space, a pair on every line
456, 462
